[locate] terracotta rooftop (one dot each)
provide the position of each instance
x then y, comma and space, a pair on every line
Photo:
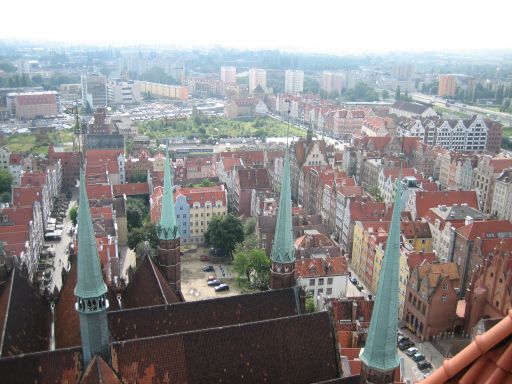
265, 351
416, 258
36, 98
229, 163
254, 178
25, 318
500, 164
99, 372
490, 229
317, 267
486, 360
130, 189
158, 320
147, 287
426, 200
313, 239
27, 195
99, 191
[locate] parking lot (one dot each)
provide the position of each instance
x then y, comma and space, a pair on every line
194, 281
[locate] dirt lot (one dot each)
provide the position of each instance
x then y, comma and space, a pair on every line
193, 279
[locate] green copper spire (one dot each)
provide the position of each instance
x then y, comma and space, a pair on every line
89, 282
283, 250
380, 349
168, 229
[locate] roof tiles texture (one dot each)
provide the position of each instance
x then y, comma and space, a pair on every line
99, 372
277, 350
24, 318
190, 316
486, 360
427, 200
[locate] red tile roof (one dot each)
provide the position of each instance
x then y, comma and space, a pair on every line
131, 189
36, 99
500, 164
67, 324
416, 258
486, 360
15, 159
99, 372
99, 191
27, 195
394, 172
33, 179
18, 215
369, 210
317, 267
485, 229
229, 163
95, 156
426, 200
203, 194
254, 179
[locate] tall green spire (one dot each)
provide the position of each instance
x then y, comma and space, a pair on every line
283, 250
89, 282
380, 350
168, 230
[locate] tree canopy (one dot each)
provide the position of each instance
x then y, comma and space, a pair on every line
5, 181
253, 267
223, 233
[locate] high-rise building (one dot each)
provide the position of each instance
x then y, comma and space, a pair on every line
332, 81
228, 75
28, 105
293, 81
447, 86
123, 92
94, 90
402, 71
257, 77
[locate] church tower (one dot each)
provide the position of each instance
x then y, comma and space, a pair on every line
90, 290
282, 256
168, 256
379, 356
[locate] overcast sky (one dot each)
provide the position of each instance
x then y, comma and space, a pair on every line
338, 26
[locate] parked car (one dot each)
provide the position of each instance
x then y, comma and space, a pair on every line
359, 287
222, 287
418, 357
208, 268
411, 351
210, 278
204, 258
405, 345
214, 283
353, 280
401, 338
424, 364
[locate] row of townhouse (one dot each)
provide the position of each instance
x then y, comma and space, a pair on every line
474, 134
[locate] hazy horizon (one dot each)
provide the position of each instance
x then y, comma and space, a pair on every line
320, 27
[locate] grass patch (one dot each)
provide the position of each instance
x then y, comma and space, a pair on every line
37, 144
211, 128
507, 131
448, 112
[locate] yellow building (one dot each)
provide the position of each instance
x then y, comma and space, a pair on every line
357, 246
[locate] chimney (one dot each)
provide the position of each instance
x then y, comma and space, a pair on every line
468, 220
354, 311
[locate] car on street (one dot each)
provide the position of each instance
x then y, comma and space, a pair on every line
405, 345
204, 258
210, 278
418, 357
353, 280
359, 287
208, 268
424, 364
411, 351
222, 287
401, 338
214, 283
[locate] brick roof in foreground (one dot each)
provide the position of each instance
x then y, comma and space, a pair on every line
168, 319
486, 360
298, 349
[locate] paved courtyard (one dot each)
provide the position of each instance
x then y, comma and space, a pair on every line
193, 279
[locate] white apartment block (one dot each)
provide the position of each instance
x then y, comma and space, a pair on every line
293, 81
257, 77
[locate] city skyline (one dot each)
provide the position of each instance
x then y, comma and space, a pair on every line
327, 28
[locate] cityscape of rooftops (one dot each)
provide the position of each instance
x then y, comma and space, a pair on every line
278, 192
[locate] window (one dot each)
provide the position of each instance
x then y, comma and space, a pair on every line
329, 291
312, 292
329, 281
497, 303
444, 298
445, 286
312, 282
320, 291
321, 281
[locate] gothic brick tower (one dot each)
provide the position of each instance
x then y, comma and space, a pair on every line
168, 257
282, 257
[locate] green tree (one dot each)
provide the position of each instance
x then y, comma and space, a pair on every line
5, 181
206, 183
250, 226
499, 95
385, 94
5, 197
253, 267
310, 304
377, 195
73, 214
147, 232
223, 233
133, 216
397, 93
